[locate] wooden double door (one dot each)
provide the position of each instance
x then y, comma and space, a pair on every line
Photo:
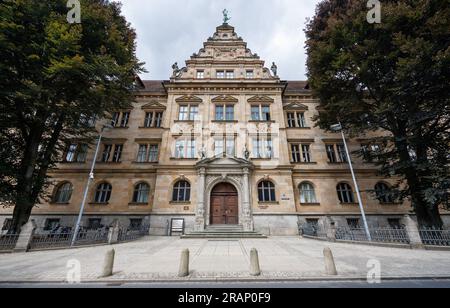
224, 205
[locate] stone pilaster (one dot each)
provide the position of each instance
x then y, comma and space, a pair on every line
246, 205
200, 211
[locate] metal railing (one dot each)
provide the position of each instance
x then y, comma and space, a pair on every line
43, 239
313, 230
435, 237
382, 235
127, 234
8, 241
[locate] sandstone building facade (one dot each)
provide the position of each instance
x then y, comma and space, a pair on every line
224, 141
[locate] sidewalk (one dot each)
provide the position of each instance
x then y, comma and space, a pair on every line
281, 258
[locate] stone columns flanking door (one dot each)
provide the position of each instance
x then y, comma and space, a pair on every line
214, 171
200, 212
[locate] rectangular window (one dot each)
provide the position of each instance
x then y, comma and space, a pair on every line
158, 119
301, 121
295, 150
148, 119
115, 119
142, 153
249, 74
183, 116
265, 110
231, 148
135, 224
106, 153
291, 119
331, 153
230, 75
51, 224
82, 153
117, 153
71, 153
342, 153
200, 74
125, 119
230, 113
306, 152
193, 114
153, 153
218, 147
262, 148
185, 148
353, 223
255, 113
220, 74
94, 223
179, 149
219, 113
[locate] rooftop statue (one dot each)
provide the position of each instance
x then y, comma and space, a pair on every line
274, 69
226, 19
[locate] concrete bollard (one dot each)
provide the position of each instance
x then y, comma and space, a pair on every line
184, 264
108, 264
255, 269
330, 266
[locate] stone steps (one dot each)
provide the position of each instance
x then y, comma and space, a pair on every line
223, 232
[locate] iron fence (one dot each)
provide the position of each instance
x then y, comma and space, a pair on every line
8, 241
127, 234
382, 235
313, 230
43, 239
435, 237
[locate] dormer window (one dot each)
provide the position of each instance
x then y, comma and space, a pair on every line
200, 74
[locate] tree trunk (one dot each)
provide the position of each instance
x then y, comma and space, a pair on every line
21, 215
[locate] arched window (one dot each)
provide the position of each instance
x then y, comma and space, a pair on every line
345, 193
103, 193
384, 193
181, 192
266, 191
63, 193
307, 193
141, 192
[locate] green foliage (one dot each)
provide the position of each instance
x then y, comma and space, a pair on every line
390, 81
51, 74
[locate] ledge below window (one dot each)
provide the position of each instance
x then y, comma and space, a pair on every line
263, 203
145, 163
185, 121
304, 163
180, 202
261, 121
225, 121
304, 128
98, 204
143, 127
58, 203
137, 204
187, 159
351, 204
309, 204
108, 163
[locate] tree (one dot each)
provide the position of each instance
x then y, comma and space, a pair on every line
391, 83
54, 77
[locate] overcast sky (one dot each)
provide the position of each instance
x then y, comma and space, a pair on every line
171, 31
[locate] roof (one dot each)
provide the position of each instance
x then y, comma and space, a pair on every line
153, 86
297, 86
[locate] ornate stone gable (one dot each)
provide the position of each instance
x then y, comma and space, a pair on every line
296, 106
224, 51
153, 105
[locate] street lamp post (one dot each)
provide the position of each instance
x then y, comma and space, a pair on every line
86, 190
338, 127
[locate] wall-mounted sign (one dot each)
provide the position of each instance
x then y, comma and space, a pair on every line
177, 225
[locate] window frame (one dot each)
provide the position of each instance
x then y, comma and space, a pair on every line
181, 192
345, 195
266, 192
103, 193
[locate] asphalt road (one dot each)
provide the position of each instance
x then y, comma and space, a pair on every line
429, 283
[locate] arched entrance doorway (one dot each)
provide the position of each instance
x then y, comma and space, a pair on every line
224, 205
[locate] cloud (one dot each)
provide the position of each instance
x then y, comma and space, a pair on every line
172, 30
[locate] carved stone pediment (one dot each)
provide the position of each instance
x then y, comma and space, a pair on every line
296, 106
189, 99
220, 161
153, 105
260, 99
224, 99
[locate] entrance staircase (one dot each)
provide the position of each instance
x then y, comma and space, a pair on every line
224, 232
